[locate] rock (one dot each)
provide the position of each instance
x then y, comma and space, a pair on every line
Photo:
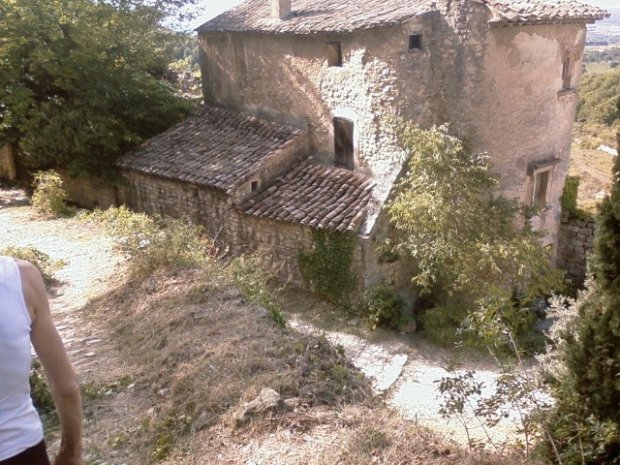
353, 322
267, 400
204, 420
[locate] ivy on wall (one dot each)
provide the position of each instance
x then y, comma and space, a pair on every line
326, 268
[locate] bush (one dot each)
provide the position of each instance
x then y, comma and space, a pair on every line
41, 260
150, 243
41, 395
253, 283
48, 199
569, 198
381, 306
462, 237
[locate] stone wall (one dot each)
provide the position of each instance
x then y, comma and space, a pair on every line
576, 240
234, 232
89, 192
7, 163
500, 87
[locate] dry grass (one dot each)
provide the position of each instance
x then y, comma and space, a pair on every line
199, 351
594, 170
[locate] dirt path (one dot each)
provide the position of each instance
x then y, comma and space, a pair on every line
87, 273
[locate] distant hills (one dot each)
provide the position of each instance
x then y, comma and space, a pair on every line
605, 32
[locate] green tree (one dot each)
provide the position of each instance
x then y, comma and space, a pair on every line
586, 423
463, 238
80, 80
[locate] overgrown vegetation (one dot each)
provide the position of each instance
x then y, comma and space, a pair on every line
599, 98
382, 306
151, 242
49, 197
82, 82
585, 425
569, 198
326, 268
41, 260
463, 240
253, 281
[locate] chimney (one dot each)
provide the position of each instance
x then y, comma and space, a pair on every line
280, 9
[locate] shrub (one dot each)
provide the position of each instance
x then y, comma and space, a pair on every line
253, 282
150, 243
381, 306
48, 199
461, 235
41, 260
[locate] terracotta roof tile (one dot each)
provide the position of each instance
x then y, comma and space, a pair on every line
317, 196
216, 147
542, 11
311, 16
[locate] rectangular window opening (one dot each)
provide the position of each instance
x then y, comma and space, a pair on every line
541, 185
343, 144
415, 42
334, 54
254, 186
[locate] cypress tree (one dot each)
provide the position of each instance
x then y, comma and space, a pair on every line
586, 423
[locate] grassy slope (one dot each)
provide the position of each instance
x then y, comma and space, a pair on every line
196, 351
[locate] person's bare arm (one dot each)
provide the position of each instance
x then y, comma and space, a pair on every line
53, 356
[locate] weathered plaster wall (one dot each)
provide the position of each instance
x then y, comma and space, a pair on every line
520, 114
287, 78
7, 163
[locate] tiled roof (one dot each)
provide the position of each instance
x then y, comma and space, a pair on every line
317, 196
311, 16
542, 11
216, 147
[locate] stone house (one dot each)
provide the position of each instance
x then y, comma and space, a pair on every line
297, 131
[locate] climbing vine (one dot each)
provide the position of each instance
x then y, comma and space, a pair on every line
326, 267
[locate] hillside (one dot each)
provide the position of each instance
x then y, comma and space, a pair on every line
170, 363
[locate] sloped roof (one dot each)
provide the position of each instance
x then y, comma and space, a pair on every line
311, 16
215, 147
542, 11
317, 196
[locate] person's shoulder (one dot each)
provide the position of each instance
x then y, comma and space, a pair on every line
28, 271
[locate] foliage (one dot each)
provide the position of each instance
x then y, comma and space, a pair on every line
598, 98
48, 198
607, 54
382, 306
80, 81
253, 282
150, 243
586, 422
569, 198
41, 395
463, 238
40, 259
327, 266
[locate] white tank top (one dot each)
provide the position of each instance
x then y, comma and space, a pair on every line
20, 426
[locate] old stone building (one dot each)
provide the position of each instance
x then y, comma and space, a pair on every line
301, 97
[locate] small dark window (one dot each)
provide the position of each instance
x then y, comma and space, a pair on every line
343, 143
334, 54
541, 184
415, 42
567, 72
254, 186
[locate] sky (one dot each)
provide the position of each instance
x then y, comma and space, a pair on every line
212, 8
